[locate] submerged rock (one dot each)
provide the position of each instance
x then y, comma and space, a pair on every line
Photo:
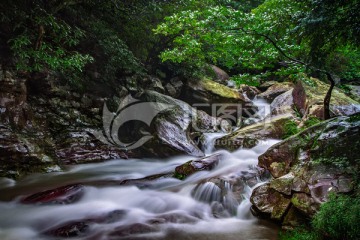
62, 195
190, 167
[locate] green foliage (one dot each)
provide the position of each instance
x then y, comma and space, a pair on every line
311, 121
47, 44
247, 79
300, 233
292, 128
330, 24
235, 38
345, 62
338, 218
117, 56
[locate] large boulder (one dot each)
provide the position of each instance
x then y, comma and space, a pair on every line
173, 130
250, 136
308, 166
340, 104
206, 94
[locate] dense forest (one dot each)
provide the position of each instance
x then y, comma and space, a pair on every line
162, 119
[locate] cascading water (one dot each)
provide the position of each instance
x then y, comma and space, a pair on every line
139, 199
193, 205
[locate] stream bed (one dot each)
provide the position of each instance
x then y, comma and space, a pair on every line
119, 200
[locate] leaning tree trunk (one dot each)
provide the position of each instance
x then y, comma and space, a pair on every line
328, 96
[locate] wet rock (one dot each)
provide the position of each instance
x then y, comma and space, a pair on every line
355, 92
174, 87
190, 167
173, 128
132, 229
299, 97
75, 147
249, 136
81, 228
62, 195
275, 90
173, 217
70, 230
270, 202
156, 85
294, 218
320, 141
219, 211
141, 182
20, 155
283, 184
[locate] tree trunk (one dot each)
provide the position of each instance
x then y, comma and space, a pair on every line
328, 96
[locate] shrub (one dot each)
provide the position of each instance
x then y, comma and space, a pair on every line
338, 218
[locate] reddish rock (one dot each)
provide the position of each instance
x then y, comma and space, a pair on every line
62, 195
299, 97
72, 229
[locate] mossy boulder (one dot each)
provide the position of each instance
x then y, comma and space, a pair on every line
309, 166
203, 93
341, 103
249, 136
269, 202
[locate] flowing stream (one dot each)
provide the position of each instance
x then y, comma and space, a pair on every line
120, 201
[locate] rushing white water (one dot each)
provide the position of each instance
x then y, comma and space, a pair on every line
206, 205
263, 112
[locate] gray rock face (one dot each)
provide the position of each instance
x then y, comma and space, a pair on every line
284, 103
307, 167
173, 129
174, 87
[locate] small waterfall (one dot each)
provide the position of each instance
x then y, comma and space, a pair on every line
262, 113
